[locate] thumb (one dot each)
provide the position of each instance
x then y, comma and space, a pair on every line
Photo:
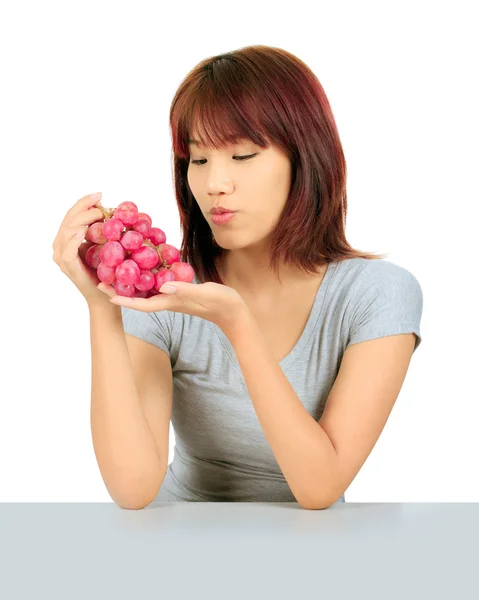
183, 288
170, 288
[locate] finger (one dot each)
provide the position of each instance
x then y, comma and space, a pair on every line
106, 289
91, 215
79, 207
83, 204
70, 252
65, 234
158, 302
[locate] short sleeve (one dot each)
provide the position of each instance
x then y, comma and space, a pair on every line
153, 327
387, 300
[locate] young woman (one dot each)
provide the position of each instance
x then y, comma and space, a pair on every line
280, 363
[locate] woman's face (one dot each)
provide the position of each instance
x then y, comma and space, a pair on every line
256, 187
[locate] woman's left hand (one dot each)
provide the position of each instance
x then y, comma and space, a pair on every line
220, 304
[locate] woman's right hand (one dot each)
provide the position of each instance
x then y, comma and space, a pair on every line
70, 250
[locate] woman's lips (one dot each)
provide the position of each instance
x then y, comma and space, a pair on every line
225, 217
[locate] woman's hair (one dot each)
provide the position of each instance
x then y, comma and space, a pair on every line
268, 96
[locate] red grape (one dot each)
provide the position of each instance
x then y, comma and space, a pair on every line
147, 281
146, 257
168, 253
182, 272
112, 254
95, 234
128, 272
128, 204
131, 240
162, 276
124, 290
157, 236
92, 256
145, 216
106, 274
127, 212
143, 227
112, 229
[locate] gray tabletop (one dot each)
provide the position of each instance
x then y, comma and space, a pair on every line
239, 550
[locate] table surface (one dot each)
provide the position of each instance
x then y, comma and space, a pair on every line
239, 550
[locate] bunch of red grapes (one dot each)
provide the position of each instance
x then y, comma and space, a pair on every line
131, 255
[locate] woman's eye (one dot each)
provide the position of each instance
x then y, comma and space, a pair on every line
197, 162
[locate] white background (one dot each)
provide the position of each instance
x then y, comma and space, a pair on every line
86, 92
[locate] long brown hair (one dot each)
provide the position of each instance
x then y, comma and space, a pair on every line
268, 96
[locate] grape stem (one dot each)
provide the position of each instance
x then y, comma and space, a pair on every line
106, 214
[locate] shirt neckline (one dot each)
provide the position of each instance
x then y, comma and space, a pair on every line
307, 332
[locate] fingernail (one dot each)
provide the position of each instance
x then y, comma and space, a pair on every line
95, 196
168, 289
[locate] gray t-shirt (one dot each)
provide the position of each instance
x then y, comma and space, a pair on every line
221, 453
